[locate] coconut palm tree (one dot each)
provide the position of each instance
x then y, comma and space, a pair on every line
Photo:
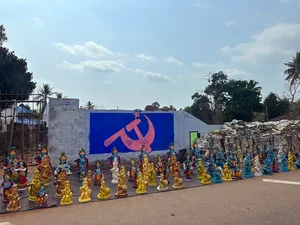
45, 91
3, 36
293, 71
60, 95
90, 105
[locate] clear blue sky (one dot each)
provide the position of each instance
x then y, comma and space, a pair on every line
134, 52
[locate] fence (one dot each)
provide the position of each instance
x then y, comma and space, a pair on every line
21, 125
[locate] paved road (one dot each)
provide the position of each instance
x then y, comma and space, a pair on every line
245, 202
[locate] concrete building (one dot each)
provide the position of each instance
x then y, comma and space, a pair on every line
98, 131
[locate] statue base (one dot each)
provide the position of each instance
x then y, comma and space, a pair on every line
141, 192
32, 198
84, 200
177, 187
121, 195
162, 189
13, 210
205, 182
103, 197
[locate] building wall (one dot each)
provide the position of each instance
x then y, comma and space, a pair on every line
70, 129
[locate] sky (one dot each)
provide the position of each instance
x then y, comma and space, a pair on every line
128, 54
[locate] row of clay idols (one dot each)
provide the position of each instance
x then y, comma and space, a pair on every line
40, 197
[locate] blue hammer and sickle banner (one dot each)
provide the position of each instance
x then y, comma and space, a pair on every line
128, 131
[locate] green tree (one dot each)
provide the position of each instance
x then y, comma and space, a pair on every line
275, 105
44, 92
90, 105
59, 95
242, 100
15, 80
3, 36
231, 99
293, 71
200, 108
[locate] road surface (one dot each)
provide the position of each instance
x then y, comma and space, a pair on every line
253, 201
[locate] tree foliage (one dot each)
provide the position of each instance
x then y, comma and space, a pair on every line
276, 106
231, 99
293, 71
15, 80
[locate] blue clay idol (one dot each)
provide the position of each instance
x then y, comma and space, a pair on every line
247, 167
216, 176
284, 163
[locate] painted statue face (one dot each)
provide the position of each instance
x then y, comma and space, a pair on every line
82, 156
62, 161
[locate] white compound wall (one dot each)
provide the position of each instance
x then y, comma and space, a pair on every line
69, 129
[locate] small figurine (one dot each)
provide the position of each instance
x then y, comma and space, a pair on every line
257, 166
141, 185
247, 167
62, 166
7, 185
132, 171
267, 170
298, 162
14, 170
274, 164
67, 194
85, 191
14, 200
219, 161
114, 158
134, 185
196, 155
206, 179
240, 159
60, 184
291, 161
159, 166
146, 167
279, 154
166, 170
115, 172
11, 158
178, 182
237, 174
82, 162
284, 163
42, 197
104, 191
46, 170
98, 174
163, 184
152, 176
122, 188
187, 166
82, 175
211, 164
143, 154
171, 151
216, 176
172, 165
22, 178
89, 178
40, 158
200, 169
34, 186
227, 174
